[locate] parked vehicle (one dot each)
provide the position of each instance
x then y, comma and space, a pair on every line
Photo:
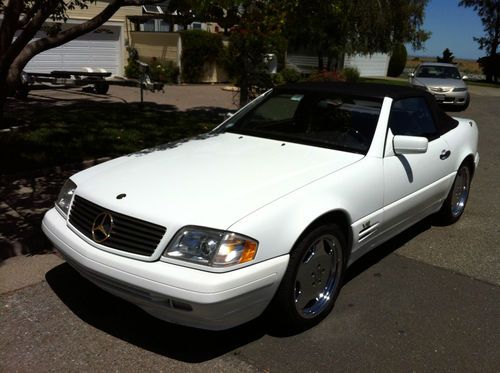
268, 209
444, 81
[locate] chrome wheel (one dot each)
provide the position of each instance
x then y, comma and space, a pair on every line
318, 276
460, 191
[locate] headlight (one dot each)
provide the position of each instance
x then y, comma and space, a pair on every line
65, 195
211, 247
461, 89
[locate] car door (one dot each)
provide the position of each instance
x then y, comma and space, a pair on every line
414, 184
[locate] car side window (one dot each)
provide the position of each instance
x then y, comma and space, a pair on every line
412, 117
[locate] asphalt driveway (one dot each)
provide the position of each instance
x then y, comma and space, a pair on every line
429, 300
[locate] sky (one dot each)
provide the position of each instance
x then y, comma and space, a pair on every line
452, 27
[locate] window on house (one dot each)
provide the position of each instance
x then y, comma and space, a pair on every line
148, 25
163, 26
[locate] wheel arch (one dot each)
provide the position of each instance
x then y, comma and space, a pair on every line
469, 160
339, 217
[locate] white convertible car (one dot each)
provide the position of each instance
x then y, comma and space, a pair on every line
268, 209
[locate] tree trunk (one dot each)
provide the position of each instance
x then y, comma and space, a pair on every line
243, 94
3, 99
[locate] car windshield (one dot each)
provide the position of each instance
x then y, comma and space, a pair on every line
318, 119
439, 72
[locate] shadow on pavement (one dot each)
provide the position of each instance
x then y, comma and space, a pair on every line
123, 320
379, 253
129, 323
58, 137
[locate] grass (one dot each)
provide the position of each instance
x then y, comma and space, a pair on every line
58, 135
391, 81
482, 83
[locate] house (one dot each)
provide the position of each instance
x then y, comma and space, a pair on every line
102, 48
367, 65
148, 29
106, 47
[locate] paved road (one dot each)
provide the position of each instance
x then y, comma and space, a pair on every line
429, 300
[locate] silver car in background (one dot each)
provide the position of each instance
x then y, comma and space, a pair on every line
444, 81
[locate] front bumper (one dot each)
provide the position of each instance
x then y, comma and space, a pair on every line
171, 292
451, 98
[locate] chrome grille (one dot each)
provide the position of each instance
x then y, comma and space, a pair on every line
127, 234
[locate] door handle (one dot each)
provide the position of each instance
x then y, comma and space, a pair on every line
445, 154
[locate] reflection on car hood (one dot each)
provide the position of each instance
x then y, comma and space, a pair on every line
444, 83
210, 181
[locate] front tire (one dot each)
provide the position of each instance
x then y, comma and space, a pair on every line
313, 279
454, 205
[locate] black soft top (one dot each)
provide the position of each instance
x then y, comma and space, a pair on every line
375, 91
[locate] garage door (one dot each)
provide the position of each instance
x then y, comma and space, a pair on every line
369, 65
98, 49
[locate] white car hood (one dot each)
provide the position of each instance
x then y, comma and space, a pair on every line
209, 181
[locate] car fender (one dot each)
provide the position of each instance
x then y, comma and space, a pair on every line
356, 191
463, 142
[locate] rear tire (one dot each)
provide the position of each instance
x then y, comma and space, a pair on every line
312, 280
454, 205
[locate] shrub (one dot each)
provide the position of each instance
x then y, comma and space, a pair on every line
286, 76
165, 71
132, 69
290, 75
326, 76
491, 67
198, 49
277, 79
397, 62
351, 74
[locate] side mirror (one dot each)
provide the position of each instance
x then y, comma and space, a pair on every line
409, 144
465, 77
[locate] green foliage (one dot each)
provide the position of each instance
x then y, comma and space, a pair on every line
397, 62
198, 49
163, 71
89, 130
132, 69
327, 76
286, 76
260, 31
291, 75
244, 61
447, 57
354, 26
351, 74
491, 67
489, 12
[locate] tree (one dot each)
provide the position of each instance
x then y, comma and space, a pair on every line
398, 59
335, 27
260, 31
224, 12
447, 57
184, 10
22, 19
489, 12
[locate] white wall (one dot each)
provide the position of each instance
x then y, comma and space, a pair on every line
369, 65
